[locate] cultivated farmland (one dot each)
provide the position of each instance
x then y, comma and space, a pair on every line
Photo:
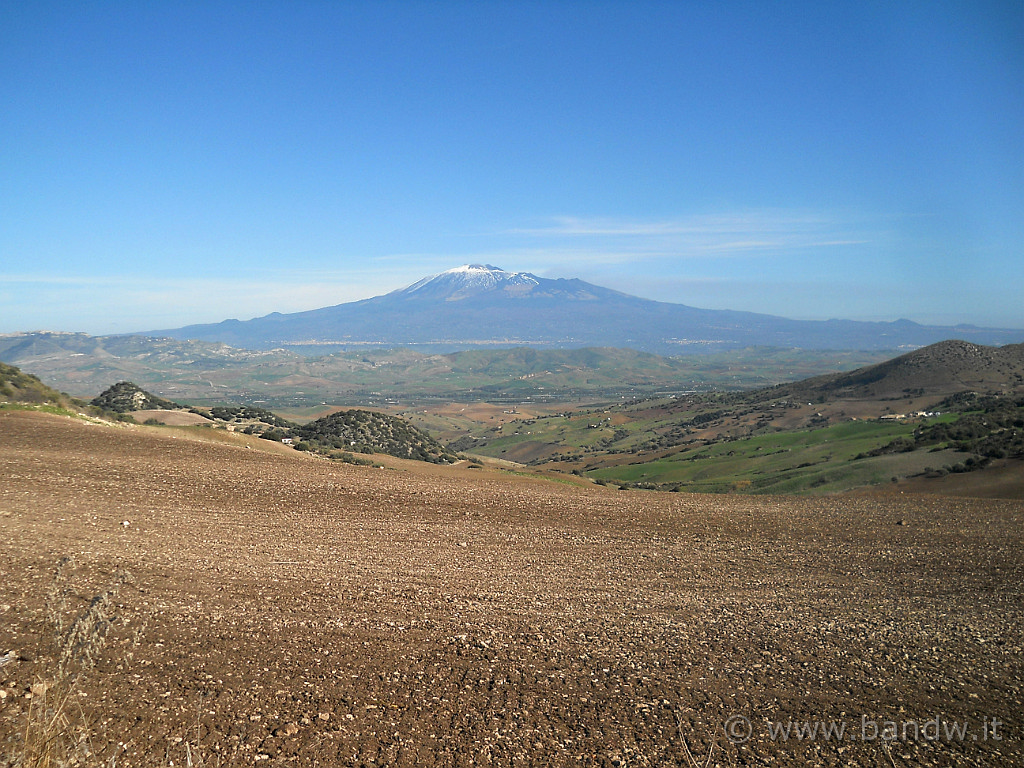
266, 607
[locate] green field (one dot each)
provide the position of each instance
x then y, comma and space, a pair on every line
791, 462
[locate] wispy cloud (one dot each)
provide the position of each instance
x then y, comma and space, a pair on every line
744, 232
700, 224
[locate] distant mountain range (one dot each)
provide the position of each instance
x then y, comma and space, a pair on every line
480, 305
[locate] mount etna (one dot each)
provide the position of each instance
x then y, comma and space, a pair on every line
482, 305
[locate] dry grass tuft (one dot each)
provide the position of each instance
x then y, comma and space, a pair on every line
55, 735
57, 731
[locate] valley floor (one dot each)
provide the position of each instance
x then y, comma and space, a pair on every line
284, 609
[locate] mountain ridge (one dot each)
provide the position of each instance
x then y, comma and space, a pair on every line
482, 305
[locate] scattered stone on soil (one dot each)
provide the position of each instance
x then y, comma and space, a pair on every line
278, 609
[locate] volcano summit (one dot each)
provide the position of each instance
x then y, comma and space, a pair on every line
479, 305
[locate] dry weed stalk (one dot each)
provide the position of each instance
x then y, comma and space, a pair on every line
57, 597
55, 734
87, 635
690, 759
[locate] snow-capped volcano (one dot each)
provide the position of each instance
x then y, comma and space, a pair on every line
471, 280
483, 305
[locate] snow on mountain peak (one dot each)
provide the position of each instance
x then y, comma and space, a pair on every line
473, 268
472, 278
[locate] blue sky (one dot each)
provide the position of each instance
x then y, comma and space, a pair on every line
165, 163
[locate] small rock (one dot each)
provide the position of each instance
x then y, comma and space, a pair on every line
290, 729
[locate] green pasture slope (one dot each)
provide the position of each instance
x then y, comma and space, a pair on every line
575, 433
821, 460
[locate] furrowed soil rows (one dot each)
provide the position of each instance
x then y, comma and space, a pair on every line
284, 609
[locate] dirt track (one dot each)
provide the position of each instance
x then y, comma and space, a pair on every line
285, 609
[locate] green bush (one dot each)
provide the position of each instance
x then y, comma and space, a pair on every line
349, 458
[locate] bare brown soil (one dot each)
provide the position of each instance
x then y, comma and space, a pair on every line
284, 609
171, 418
1003, 479
498, 414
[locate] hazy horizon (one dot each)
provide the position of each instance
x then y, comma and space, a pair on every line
405, 285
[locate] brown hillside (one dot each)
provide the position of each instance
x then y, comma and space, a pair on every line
287, 610
939, 369
1002, 480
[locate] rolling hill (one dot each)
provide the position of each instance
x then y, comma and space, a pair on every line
950, 408
939, 369
124, 396
200, 372
16, 386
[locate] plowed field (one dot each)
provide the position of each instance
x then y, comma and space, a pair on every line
278, 608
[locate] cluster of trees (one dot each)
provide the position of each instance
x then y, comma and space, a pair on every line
989, 427
249, 413
124, 396
899, 445
341, 434
993, 428
371, 432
